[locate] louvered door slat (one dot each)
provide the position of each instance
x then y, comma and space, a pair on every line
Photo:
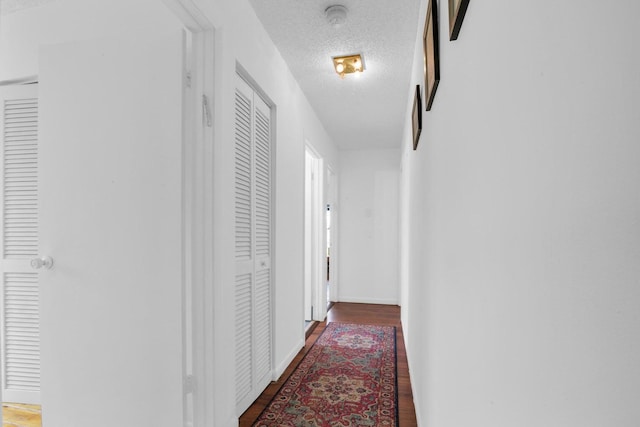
20, 293
263, 323
243, 304
243, 246
20, 166
262, 200
263, 184
253, 245
21, 332
243, 177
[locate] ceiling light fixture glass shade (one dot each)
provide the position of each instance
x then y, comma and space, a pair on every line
348, 64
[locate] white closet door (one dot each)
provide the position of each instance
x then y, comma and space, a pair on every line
244, 242
20, 317
111, 217
262, 209
253, 244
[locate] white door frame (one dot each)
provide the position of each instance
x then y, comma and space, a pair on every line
197, 189
332, 200
308, 248
318, 244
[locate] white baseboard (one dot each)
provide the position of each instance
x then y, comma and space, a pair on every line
366, 300
416, 403
287, 361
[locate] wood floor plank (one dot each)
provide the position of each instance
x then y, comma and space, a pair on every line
21, 415
370, 314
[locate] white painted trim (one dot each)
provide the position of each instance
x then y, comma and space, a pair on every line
231, 422
188, 134
189, 14
332, 199
202, 234
321, 243
307, 291
197, 166
361, 300
287, 360
318, 235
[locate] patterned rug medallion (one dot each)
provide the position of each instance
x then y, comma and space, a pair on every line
348, 378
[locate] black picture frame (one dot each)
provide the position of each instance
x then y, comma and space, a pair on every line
431, 54
457, 10
416, 117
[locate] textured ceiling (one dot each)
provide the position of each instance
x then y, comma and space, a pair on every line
364, 112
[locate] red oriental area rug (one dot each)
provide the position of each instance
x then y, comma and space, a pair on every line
348, 378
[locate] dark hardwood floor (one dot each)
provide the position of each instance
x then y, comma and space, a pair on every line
352, 313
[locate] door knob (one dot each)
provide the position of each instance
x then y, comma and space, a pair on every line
38, 263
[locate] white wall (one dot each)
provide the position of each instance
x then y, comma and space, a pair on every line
521, 272
368, 238
240, 39
22, 32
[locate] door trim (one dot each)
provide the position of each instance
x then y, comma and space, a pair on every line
318, 233
332, 200
197, 226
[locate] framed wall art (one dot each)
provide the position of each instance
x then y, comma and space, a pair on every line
416, 117
431, 54
457, 10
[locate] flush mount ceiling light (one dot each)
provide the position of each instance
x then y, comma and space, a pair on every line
349, 64
336, 15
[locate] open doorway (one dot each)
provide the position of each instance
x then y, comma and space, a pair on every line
320, 237
315, 265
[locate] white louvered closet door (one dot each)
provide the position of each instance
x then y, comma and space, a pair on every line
252, 245
20, 318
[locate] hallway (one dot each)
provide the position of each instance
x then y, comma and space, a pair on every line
502, 225
385, 315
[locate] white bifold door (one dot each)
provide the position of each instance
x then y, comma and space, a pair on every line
253, 277
20, 317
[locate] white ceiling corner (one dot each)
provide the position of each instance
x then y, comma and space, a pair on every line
365, 112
